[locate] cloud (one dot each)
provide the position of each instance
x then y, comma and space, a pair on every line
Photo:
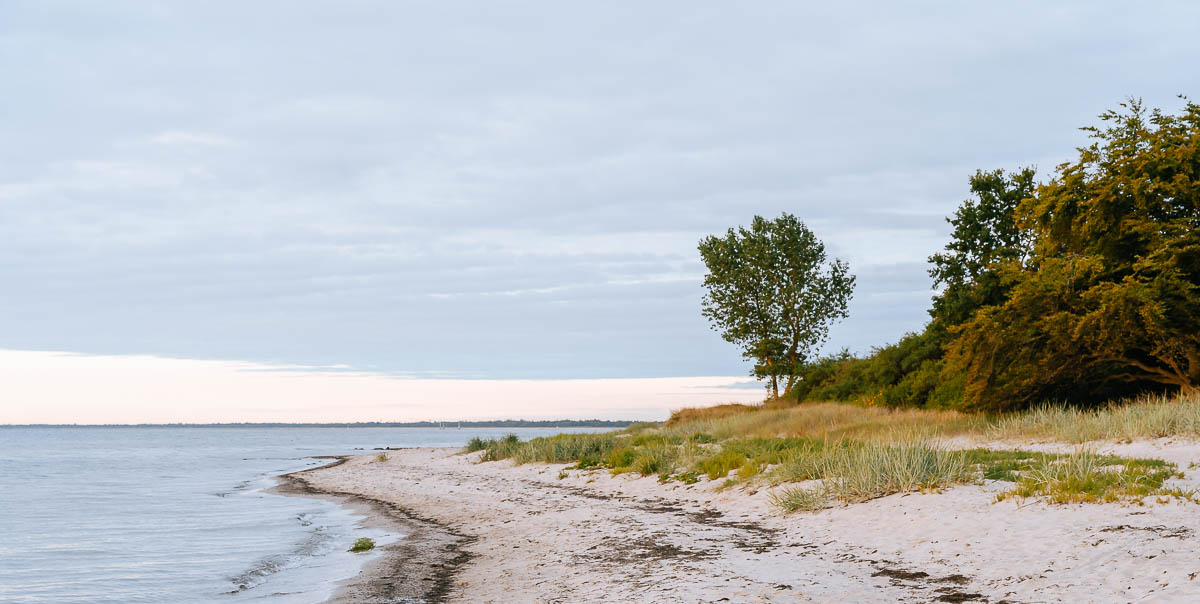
515, 191
180, 137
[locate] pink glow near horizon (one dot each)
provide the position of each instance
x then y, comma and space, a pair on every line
68, 388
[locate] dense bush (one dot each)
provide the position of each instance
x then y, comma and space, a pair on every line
1082, 289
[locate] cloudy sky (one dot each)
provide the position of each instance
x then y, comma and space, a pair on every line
511, 190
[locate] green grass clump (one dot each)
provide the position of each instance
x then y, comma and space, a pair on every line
870, 469
1004, 464
502, 448
655, 460
1085, 476
856, 471
562, 448
621, 460
800, 499
475, 444
364, 544
382, 457
720, 464
589, 449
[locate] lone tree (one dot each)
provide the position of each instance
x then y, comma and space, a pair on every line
771, 291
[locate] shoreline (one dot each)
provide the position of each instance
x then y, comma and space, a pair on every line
542, 532
418, 567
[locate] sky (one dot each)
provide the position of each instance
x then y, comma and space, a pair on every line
505, 191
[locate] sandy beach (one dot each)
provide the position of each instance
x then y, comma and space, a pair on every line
496, 532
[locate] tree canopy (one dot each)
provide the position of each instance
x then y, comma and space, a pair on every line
771, 290
1108, 298
1081, 289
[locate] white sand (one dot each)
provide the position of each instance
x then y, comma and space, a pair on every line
593, 537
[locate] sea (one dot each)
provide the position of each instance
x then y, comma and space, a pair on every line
184, 514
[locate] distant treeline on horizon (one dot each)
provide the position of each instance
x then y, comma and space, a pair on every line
504, 423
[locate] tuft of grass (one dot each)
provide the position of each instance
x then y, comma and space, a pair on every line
364, 544
800, 499
655, 460
562, 448
562, 474
856, 471
1086, 476
1004, 464
621, 460
475, 444
720, 464
382, 457
871, 469
502, 448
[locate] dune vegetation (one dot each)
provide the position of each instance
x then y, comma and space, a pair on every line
1081, 289
823, 453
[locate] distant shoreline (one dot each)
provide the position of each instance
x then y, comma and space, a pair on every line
507, 423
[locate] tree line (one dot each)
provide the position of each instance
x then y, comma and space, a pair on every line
1079, 289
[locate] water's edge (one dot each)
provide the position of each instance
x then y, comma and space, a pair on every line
419, 567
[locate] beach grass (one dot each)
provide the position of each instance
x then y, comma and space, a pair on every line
850, 453
1145, 417
1086, 476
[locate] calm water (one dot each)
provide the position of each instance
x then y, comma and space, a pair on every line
181, 514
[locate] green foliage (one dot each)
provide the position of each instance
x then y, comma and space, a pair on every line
621, 458
1085, 476
1108, 300
908, 373
720, 464
475, 444
985, 234
502, 448
770, 292
1083, 289
363, 544
655, 460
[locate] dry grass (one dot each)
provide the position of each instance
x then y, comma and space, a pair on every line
827, 421
1147, 417
692, 414
851, 453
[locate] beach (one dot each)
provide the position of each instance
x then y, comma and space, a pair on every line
499, 532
